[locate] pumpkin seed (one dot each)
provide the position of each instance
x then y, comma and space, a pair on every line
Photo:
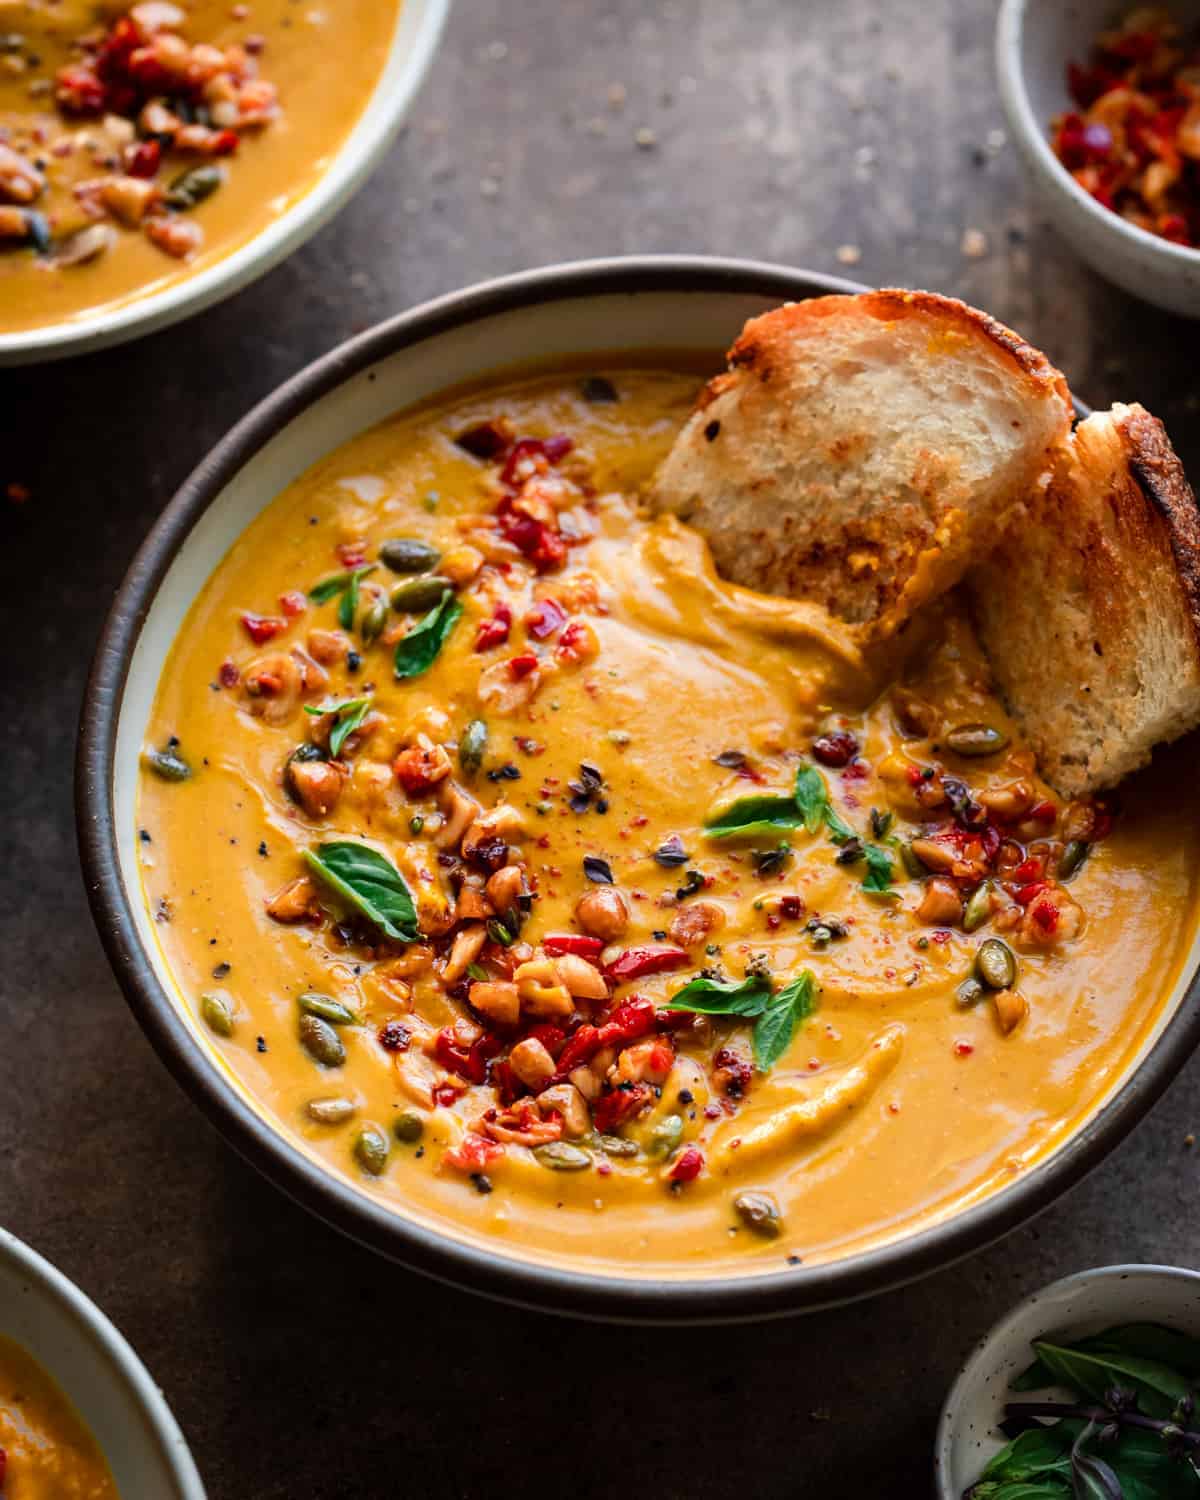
616, 1145
970, 992
194, 185
472, 745
911, 863
334, 1111
1072, 858
759, 1212
996, 965
975, 740
321, 1042
84, 245
325, 1006
405, 554
168, 763
374, 618
419, 594
408, 1126
37, 226
371, 1150
666, 1135
560, 1157
979, 907
217, 1011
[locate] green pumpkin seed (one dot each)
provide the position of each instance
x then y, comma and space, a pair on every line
194, 185
976, 740
335, 1111
911, 863
978, 908
616, 1145
315, 1004
405, 554
371, 1150
373, 619
472, 745
665, 1136
408, 1126
759, 1212
560, 1157
970, 992
321, 1042
167, 763
217, 1011
996, 965
37, 227
419, 594
1072, 858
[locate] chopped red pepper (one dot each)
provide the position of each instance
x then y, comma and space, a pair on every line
582, 1045
620, 1104
631, 1019
650, 958
293, 603
521, 666
228, 674
1043, 812
1028, 893
262, 628
468, 1062
546, 616
1045, 913
553, 1038
1028, 870
494, 631
473, 1153
143, 158
529, 456
446, 1093
556, 943
688, 1165
78, 91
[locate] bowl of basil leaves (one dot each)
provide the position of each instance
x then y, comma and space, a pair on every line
1089, 1388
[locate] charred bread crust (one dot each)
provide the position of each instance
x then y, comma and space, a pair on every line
1156, 470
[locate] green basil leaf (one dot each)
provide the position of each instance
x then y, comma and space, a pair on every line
752, 817
879, 868
1092, 1476
350, 714
336, 583
1039, 1452
1149, 1341
1092, 1373
812, 797
777, 1025
370, 883
417, 651
723, 997
1148, 1470
1022, 1489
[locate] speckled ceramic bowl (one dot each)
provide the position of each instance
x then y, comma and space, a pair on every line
968, 1434
1035, 40
101, 1375
419, 26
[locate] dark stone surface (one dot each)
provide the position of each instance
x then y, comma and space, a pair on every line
300, 1367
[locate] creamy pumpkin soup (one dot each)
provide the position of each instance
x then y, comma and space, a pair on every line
138, 146
46, 1450
560, 894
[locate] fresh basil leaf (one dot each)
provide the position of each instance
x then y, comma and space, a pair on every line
417, 651
879, 868
350, 714
1149, 1341
370, 883
723, 997
1092, 1477
752, 817
1021, 1489
1147, 1468
1093, 1373
337, 583
812, 797
776, 1026
1036, 1453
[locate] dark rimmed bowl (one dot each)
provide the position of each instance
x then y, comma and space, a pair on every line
664, 302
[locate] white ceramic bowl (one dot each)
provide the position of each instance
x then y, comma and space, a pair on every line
1035, 40
1078, 1305
101, 1375
418, 28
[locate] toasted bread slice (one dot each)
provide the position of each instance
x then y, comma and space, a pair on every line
863, 451
1090, 610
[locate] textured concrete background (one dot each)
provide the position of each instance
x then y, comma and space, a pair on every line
301, 1367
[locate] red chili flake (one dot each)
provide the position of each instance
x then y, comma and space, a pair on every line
836, 749
521, 666
791, 907
228, 674
494, 631
688, 1165
394, 1036
468, 1062
262, 628
650, 958
142, 158
473, 1153
351, 554
3, 1465
963, 1049
544, 619
575, 643
620, 1104
913, 775
1046, 914
293, 604
556, 943
78, 91
445, 1094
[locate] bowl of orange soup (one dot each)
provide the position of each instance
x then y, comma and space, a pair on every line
156, 157
80, 1417
458, 837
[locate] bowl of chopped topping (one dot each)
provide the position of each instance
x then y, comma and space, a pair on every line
155, 159
1104, 105
1088, 1387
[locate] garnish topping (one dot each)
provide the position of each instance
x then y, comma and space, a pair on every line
370, 883
417, 651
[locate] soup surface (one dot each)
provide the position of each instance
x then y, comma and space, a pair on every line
557, 893
139, 146
46, 1450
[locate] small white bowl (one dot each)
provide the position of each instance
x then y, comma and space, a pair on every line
100, 1374
1035, 40
968, 1432
418, 28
